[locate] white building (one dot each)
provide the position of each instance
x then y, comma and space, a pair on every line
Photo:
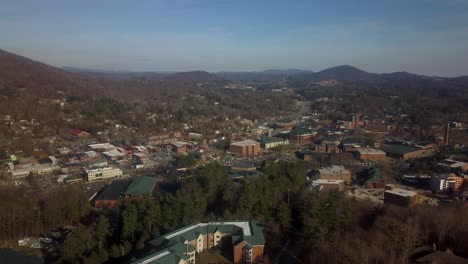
103, 173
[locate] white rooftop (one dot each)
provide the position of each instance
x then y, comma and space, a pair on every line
334, 169
244, 225
370, 151
247, 142
402, 192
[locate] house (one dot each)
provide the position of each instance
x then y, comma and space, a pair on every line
400, 197
273, 142
245, 148
335, 172
181, 246
78, 133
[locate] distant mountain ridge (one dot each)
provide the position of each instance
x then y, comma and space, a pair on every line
21, 72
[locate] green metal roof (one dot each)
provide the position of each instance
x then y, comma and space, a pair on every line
171, 247
398, 149
301, 131
266, 140
141, 185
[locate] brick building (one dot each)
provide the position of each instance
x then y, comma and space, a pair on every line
400, 197
245, 148
301, 135
370, 154
335, 172
181, 246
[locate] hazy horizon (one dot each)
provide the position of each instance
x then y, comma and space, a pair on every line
428, 37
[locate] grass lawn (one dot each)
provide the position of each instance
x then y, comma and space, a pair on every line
211, 257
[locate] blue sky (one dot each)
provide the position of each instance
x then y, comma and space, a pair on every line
420, 36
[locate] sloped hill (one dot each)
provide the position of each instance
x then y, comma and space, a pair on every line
345, 73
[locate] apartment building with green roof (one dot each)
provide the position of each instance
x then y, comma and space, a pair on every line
182, 245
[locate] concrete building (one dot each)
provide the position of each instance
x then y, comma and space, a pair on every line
195, 136
272, 142
325, 185
103, 173
245, 148
181, 246
400, 197
335, 172
446, 182
370, 154
407, 152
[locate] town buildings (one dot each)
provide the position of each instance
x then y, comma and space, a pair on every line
103, 173
400, 197
272, 142
406, 151
301, 135
371, 178
245, 148
446, 182
126, 189
325, 185
335, 172
370, 154
181, 246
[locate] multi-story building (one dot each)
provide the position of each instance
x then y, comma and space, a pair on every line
103, 173
301, 135
446, 182
371, 178
272, 142
370, 154
335, 172
181, 246
245, 148
400, 197
407, 152
324, 185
